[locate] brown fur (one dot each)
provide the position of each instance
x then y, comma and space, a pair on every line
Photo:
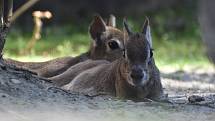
115, 78
111, 79
99, 49
38, 65
73, 71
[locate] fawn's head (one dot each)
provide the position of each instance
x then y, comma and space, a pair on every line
138, 54
107, 40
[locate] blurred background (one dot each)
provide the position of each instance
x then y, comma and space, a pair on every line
174, 24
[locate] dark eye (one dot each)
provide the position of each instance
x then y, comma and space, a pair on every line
113, 45
151, 56
151, 53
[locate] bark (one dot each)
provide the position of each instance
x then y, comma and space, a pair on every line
207, 25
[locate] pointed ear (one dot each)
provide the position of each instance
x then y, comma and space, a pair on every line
97, 27
112, 21
147, 32
127, 29
127, 32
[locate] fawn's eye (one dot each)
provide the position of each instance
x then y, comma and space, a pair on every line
150, 56
151, 53
113, 45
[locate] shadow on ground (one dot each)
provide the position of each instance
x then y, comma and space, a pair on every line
25, 97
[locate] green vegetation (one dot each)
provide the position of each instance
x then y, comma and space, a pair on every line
181, 51
175, 45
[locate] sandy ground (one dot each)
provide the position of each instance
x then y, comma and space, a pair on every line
24, 97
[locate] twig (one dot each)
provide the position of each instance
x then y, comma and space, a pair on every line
207, 104
58, 89
22, 9
42, 78
96, 95
38, 16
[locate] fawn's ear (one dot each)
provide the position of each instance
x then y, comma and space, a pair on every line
97, 27
127, 32
112, 21
146, 31
126, 28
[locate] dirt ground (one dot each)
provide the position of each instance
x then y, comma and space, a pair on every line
25, 97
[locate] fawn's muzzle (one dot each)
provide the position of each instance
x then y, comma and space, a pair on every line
138, 75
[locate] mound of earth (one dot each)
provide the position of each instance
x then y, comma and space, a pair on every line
26, 97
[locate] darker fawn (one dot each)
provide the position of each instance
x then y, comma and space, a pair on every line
106, 44
133, 76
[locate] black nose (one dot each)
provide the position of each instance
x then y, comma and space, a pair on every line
137, 74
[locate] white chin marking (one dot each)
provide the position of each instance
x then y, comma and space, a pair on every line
143, 82
130, 81
144, 79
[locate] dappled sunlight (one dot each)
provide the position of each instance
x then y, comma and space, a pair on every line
188, 81
188, 85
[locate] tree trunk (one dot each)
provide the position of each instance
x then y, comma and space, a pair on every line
207, 25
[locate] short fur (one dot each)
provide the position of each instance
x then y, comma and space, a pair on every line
115, 78
101, 35
73, 71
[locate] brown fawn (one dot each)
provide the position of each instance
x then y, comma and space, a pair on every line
106, 44
133, 75
65, 77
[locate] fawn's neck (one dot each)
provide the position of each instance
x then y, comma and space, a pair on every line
120, 70
96, 52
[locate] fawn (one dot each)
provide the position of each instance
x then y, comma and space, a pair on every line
65, 77
106, 44
133, 75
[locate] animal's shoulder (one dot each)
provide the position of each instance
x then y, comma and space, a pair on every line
89, 76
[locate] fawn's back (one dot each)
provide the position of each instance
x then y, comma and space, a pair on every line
106, 45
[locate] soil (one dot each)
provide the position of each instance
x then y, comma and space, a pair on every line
26, 97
